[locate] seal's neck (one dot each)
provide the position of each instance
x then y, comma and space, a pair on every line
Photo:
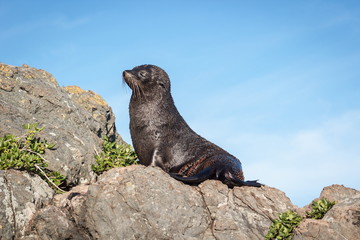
157, 99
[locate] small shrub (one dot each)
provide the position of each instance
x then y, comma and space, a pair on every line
25, 153
319, 208
283, 227
114, 155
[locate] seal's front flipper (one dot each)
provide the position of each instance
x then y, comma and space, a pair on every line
197, 178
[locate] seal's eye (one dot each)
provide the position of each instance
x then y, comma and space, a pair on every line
162, 85
143, 74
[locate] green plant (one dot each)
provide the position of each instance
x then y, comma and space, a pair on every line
113, 155
26, 153
283, 227
319, 208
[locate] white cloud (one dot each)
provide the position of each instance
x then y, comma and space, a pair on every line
300, 164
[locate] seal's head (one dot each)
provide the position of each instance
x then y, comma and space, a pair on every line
148, 81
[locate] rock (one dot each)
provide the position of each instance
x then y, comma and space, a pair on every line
140, 202
74, 119
21, 196
342, 221
243, 212
98, 108
338, 193
53, 223
151, 205
60, 220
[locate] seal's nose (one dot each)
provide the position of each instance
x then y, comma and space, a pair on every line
125, 73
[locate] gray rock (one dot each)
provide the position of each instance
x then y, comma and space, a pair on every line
53, 223
60, 219
152, 205
242, 212
144, 203
99, 109
73, 118
21, 196
338, 193
340, 222
140, 202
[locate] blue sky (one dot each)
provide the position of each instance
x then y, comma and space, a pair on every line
276, 83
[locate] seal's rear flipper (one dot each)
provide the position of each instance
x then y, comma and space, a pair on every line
195, 179
254, 183
239, 182
212, 173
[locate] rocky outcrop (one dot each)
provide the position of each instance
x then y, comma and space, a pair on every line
140, 202
21, 196
73, 118
341, 222
99, 109
135, 202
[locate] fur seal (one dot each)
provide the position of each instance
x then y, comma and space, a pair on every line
162, 138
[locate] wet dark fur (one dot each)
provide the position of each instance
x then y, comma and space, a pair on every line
161, 137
